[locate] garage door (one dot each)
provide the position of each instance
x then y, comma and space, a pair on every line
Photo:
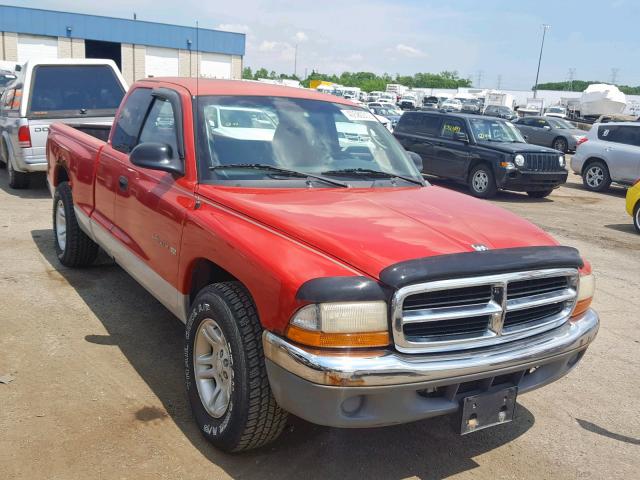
215, 65
37, 47
161, 62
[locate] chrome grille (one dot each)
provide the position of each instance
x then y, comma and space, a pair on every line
465, 313
542, 162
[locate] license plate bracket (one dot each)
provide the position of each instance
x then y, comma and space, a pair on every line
488, 409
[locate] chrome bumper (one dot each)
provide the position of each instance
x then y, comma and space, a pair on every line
387, 367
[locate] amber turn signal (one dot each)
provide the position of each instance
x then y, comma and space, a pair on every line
337, 340
586, 289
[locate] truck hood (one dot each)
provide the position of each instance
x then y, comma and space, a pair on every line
371, 229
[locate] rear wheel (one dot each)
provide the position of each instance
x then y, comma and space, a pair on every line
17, 180
539, 193
560, 144
482, 182
73, 247
636, 217
225, 370
596, 176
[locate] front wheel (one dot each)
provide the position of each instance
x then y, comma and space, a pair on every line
539, 193
636, 217
482, 182
226, 376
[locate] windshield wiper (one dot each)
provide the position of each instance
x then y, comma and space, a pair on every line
281, 171
370, 172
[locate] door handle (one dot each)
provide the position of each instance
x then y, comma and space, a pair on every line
123, 183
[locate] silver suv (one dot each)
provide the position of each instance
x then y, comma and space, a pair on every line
609, 153
74, 91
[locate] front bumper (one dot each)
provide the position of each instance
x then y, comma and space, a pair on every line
531, 181
385, 387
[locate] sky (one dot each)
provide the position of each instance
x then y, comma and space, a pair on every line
493, 42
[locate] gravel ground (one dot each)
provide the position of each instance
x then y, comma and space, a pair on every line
97, 389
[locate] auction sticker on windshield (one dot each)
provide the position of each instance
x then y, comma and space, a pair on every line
358, 116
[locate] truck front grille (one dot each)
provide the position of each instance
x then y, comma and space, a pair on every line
542, 162
472, 312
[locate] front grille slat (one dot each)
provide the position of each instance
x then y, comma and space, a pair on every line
542, 162
484, 311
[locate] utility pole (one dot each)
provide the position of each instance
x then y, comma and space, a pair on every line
499, 82
572, 74
295, 61
480, 72
614, 75
544, 33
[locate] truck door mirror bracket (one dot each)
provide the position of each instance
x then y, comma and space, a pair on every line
156, 156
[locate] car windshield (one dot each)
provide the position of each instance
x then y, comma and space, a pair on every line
556, 110
561, 124
384, 111
494, 130
262, 141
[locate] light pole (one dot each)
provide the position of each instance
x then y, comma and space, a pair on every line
544, 33
295, 61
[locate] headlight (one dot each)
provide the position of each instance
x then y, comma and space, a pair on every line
561, 160
586, 290
519, 160
341, 325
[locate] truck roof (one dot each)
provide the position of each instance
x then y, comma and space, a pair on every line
207, 86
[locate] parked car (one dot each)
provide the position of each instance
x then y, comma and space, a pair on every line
487, 154
609, 153
6, 78
500, 111
391, 114
551, 132
430, 102
633, 203
72, 91
329, 282
470, 105
451, 105
556, 111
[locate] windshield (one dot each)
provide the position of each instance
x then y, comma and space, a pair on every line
494, 130
556, 110
561, 124
385, 112
306, 136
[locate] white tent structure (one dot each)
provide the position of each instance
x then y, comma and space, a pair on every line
602, 99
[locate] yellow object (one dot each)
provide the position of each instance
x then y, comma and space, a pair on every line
337, 340
317, 83
633, 197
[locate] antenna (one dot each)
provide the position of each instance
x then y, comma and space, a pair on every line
197, 59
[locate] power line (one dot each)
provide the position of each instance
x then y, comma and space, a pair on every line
499, 82
572, 75
479, 77
614, 75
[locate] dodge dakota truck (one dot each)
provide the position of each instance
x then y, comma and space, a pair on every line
315, 276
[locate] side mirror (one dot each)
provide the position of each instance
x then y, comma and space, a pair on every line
526, 137
417, 160
461, 137
156, 156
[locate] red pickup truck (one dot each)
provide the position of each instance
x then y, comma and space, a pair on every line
315, 269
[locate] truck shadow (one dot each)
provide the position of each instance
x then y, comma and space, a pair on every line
37, 186
152, 341
502, 196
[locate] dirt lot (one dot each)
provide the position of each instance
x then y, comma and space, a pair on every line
98, 389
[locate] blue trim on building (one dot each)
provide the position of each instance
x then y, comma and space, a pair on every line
92, 27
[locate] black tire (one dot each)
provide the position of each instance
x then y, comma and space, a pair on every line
636, 217
560, 144
78, 249
595, 176
4, 155
252, 417
539, 193
17, 180
482, 181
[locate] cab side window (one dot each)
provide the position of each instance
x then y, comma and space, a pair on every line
450, 127
160, 126
129, 122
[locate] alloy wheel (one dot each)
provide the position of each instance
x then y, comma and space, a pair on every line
212, 366
594, 176
480, 181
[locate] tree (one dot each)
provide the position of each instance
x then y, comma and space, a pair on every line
247, 74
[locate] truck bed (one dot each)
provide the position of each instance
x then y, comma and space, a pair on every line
101, 132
